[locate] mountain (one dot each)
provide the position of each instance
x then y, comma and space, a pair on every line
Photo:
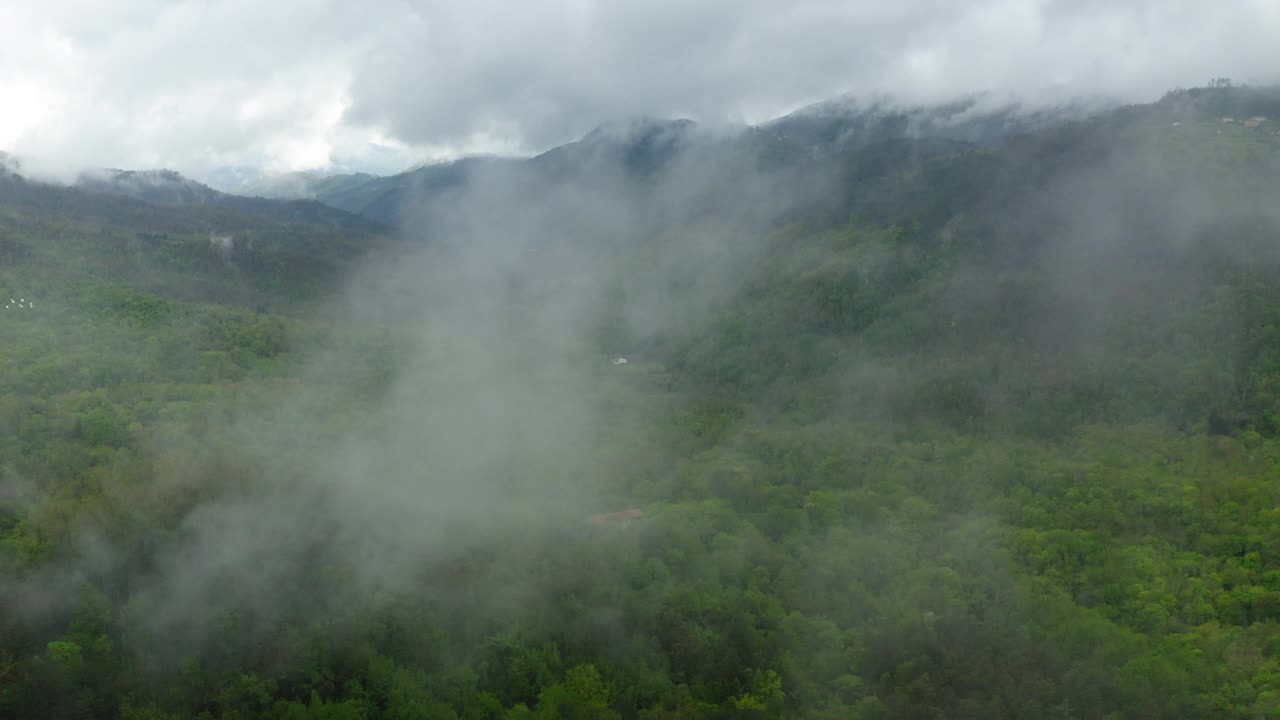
927, 413
163, 187
977, 121
166, 187
161, 232
300, 185
640, 148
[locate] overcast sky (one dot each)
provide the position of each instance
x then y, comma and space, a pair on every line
377, 85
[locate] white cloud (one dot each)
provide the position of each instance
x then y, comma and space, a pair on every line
296, 84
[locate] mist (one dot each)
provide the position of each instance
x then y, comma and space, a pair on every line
468, 403
898, 379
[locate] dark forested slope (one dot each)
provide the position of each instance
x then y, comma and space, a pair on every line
225, 249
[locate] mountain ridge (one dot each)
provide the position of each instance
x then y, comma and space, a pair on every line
646, 144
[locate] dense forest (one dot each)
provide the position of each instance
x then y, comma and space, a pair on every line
961, 417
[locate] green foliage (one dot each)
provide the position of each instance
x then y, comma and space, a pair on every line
65, 654
918, 467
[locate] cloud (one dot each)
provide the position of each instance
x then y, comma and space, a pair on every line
293, 85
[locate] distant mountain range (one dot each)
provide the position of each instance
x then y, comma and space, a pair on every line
817, 138
166, 187
640, 148
645, 146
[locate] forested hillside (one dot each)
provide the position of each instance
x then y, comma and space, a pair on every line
955, 422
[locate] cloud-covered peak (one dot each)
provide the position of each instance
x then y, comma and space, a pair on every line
380, 85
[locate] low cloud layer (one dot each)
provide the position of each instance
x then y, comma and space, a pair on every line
206, 86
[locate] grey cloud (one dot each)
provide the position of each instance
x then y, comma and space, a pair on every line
294, 85
549, 72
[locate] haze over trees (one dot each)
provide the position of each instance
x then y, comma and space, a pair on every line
954, 411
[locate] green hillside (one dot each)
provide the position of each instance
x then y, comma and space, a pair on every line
916, 426
234, 250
